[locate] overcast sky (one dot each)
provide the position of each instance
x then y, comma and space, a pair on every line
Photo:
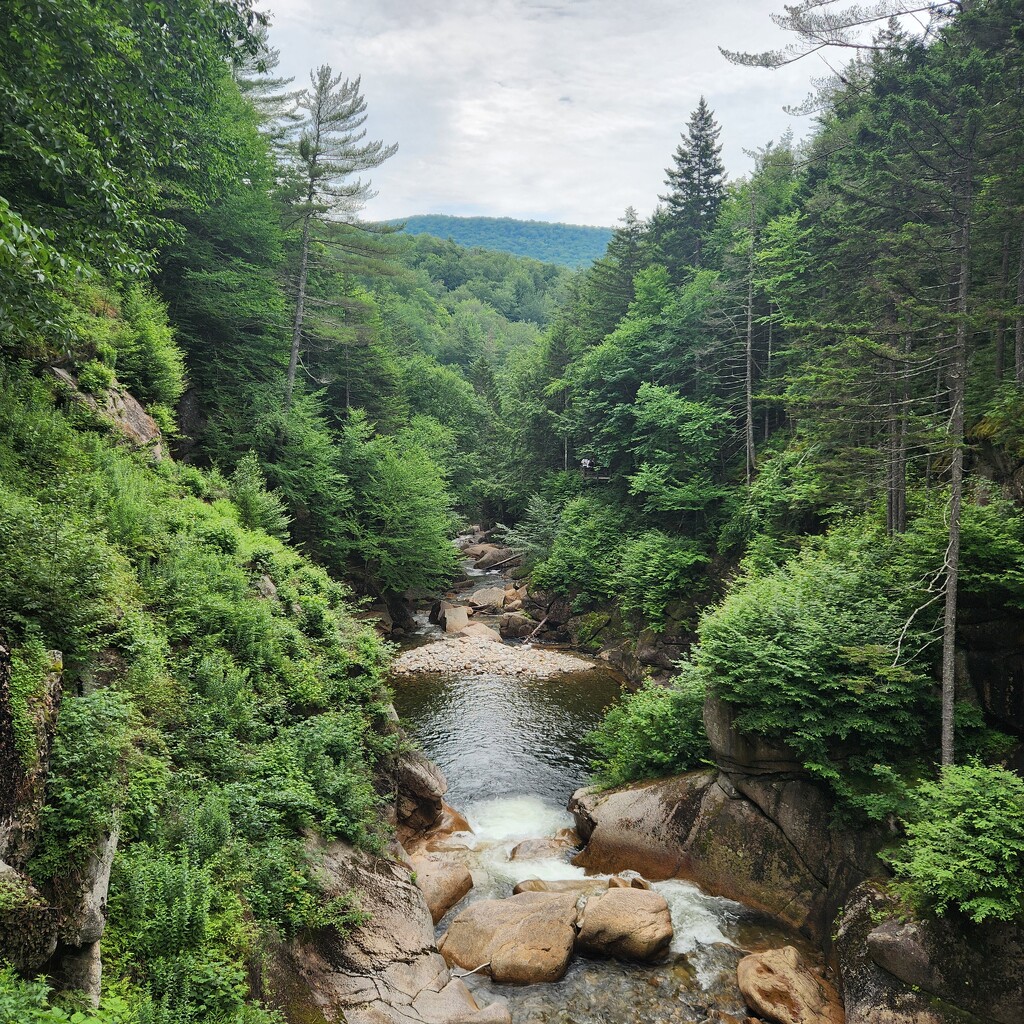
564, 110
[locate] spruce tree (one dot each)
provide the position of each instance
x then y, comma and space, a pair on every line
696, 182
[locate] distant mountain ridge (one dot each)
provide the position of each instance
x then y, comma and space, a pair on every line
570, 245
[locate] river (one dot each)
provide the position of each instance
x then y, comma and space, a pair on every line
513, 751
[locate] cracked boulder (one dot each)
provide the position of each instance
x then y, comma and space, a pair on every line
386, 970
525, 939
780, 988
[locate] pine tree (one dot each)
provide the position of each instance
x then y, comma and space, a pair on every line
696, 183
330, 150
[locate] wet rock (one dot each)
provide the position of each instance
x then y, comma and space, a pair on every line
554, 846
628, 880
574, 885
442, 880
525, 939
643, 826
387, 971
488, 597
927, 971
437, 609
421, 786
496, 555
627, 924
779, 988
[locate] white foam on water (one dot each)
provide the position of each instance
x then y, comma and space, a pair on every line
511, 819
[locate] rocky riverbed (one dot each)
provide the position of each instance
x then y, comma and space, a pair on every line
476, 656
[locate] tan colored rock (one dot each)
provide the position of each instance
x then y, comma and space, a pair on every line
554, 846
513, 606
574, 885
454, 619
628, 880
627, 924
488, 597
478, 629
525, 939
495, 555
421, 786
387, 970
442, 880
515, 626
778, 987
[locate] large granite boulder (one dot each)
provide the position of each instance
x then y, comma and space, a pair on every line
550, 847
442, 880
387, 970
627, 924
421, 787
524, 939
734, 751
902, 970
643, 826
779, 988
488, 597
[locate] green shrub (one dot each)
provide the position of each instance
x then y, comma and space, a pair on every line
807, 656
656, 731
258, 508
28, 1002
149, 361
965, 844
586, 556
95, 377
656, 570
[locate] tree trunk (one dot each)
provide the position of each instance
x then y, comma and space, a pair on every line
1018, 347
1004, 282
958, 381
300, 303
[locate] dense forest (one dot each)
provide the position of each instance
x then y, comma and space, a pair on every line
569, 245
802, 393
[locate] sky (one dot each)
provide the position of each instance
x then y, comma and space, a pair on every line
558, 110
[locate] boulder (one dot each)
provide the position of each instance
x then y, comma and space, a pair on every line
488, 597
442, 880
514, 605
643, 826
779, 988
627, 924
525, 939
573, 885
478, 629
386, 971
420, 786
496, 555
556, 846
738, 752
454, 619
437, 610
916, 971
516, 626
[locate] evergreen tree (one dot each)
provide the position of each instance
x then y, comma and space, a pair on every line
696, 182
331, 148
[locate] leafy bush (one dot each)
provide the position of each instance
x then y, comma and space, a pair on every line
656, 570
258, 508
807, 655
655, 731
586, 556
965, 844
27, 1002
149, 361
95, 377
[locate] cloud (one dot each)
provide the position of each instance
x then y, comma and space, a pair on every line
551, 109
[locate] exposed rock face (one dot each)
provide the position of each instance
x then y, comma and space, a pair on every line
642, 826
779, 988
904, 971
119, 408
628, 924
524, 939
387, 971
421, 787
735, 752
442, 881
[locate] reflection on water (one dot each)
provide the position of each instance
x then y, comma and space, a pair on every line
497, 736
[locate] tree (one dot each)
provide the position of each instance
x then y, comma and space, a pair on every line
330, 150
696, 183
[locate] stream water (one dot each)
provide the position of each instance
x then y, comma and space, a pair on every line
513, 752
